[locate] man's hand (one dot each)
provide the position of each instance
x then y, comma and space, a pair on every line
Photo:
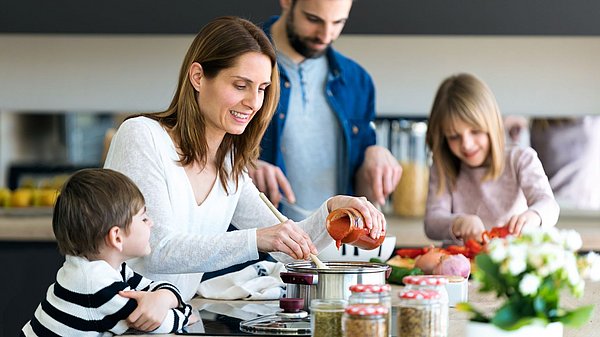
152, 308
268, 178
378, 175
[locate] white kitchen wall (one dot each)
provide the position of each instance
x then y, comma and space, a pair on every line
123, 73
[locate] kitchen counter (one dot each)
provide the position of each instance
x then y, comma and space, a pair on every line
485, 302
408, 231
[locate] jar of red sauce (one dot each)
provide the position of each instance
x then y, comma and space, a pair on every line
346, 225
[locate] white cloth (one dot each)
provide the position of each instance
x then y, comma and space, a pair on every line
189, 239
260, 281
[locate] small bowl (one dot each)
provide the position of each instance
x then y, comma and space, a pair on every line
351, 253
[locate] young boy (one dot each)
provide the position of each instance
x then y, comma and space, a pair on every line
100, 222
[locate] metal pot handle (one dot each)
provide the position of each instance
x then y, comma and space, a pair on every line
298, 278
388, 272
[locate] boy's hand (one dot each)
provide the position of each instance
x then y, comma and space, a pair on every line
152, 308
194, 318
468, 227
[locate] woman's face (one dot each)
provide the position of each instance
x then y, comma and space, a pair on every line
468, 143
230, 100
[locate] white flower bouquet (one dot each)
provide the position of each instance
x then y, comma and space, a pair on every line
529, 272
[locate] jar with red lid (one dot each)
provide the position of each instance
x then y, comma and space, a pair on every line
420, 314
346, 225
361, 320
373, 294
430, 282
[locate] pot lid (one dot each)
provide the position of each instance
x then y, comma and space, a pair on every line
290, 321
337, 267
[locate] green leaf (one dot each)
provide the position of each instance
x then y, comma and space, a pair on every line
578, 317
476, 315
488, 273
506, 317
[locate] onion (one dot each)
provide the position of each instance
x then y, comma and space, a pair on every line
457, 265
428, 261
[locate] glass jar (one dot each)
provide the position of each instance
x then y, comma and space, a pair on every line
346, 225
326, 317
409, 147
430, 282
361, 320
373, 294
420, 314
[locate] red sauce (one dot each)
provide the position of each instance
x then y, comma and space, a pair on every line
345, 225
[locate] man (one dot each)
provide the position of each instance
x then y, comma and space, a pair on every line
321, 141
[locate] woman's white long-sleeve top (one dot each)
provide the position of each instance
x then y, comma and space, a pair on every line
189, 239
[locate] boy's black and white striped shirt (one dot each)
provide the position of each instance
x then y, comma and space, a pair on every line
85, 301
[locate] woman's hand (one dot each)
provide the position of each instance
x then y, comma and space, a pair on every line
528, 218
468, 227
286, 237
374, 219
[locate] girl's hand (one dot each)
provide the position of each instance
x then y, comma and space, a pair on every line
528, 218
373, 218
286, 237
152, 308
468, 227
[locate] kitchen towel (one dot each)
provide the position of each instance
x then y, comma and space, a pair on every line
260, 281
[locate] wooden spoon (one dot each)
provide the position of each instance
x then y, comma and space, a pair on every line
283, 218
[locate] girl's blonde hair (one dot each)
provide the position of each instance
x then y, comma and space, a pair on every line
465, 98
218, 46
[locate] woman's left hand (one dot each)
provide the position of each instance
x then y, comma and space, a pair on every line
374, 219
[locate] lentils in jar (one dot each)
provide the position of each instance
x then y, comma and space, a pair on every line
420, 314
361, 320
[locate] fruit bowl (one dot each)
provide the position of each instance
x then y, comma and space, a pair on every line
350, 253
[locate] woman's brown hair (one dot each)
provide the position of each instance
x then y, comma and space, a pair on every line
218, 46
465, 98
90, 203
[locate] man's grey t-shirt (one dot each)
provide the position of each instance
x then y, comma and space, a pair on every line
311, 136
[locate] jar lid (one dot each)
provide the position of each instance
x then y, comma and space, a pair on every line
370, 288
425, 280
420, 295
366, 310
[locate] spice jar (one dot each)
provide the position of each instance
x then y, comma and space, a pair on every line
346, 225
420, 314
361, 320
430, 282
326, 317
373, 294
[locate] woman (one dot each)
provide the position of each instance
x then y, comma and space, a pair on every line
190, 163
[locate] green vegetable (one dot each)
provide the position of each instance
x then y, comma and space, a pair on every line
398, 273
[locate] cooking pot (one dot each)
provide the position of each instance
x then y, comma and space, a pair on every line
306, 281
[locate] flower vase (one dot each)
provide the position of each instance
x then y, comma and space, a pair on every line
477, 329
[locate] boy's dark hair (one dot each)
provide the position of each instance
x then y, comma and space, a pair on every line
91, 202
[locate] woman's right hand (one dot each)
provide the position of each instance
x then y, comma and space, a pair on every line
467, 227
373, 218
286, 237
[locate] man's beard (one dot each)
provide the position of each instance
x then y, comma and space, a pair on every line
299, 44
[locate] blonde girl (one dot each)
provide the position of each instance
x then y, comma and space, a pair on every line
476, 183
